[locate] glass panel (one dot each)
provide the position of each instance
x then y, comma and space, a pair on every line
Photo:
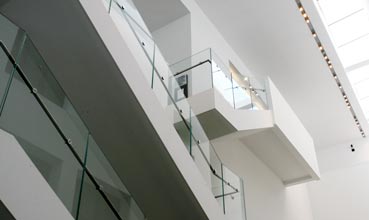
11, 36
142, 35
334, 10
222, 79
162, 92
201, 161
145, 41
242, 93
182, 127
258, 93
176, 108
92, 204
233, 195
194, 73
354, 52
6, 70
350, 28
217, 176
53, 96
23, 117
249, 93
172, 98
206, 158
111, 184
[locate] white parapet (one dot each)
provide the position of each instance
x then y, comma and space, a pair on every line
276, 135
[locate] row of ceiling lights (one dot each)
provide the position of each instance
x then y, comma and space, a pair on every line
330, 66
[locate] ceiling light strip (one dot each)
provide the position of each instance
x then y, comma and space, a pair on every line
330, 65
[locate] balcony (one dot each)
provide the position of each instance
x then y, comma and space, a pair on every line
231, 106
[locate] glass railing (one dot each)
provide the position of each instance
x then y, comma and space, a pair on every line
37, 112
205, 70
171, 94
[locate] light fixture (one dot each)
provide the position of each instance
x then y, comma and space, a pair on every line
304, 14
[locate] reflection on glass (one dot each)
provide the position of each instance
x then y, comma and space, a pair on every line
23, 117
92, 204
233, 195
111, 184
6, 71
53, 96
11, 36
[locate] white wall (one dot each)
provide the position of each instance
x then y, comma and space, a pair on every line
289, 124
174, 39
266, 196
343, 191
205, 35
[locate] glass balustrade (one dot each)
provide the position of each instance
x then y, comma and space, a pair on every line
205, 70
233, 195
37, 112
172, 85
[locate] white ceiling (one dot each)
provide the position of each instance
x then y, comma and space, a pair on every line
272, 38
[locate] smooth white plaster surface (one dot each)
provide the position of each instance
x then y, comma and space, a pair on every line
266, 196
343, 192
287, 121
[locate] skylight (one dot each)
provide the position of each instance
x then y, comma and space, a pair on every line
348, 26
